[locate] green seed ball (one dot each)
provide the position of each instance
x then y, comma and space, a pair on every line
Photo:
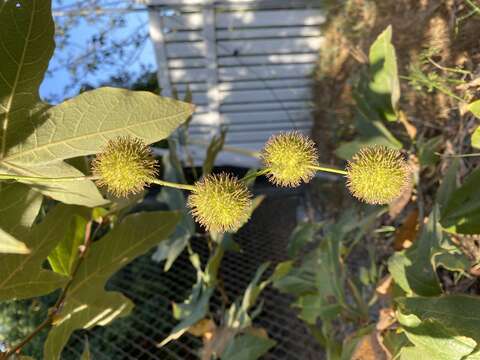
378, 175
125, 166
289, 159
220, 203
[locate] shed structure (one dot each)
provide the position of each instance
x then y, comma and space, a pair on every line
247, 63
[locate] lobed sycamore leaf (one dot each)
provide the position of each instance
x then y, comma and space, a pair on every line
87, 303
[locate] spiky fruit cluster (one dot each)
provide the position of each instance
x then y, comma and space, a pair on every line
378, 174
289, 159
125, 166
220, 203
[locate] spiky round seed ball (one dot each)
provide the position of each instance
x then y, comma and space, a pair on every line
220, 203
378, 174
289, 159
125, 166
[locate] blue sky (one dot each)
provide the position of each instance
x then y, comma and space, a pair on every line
54, 84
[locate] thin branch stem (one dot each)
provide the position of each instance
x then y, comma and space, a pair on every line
44, 179
330, 170
25, 341
173, 185
458, 155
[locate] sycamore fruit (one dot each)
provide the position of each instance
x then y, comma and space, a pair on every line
290, 159
125, 166
220, 203
377, 175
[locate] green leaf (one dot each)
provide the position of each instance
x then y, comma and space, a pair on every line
430, 337
474, 107
413, 269
82, 125
10, 245
27, 45
296, 280
313, 306
63, 257
462, 212
87, 303
384, 86
247, 346
302, 234
254, 288
448, 185
458, 313
427, 150
23, 275
27, 37
191, 311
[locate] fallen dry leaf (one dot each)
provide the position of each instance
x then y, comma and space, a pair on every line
202, 327
369, 348
384, 285
407, 232
409, 127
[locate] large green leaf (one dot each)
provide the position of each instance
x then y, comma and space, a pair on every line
87, 303
458, 313
33, 134
445, 326
439, 342
384, 86
413, 269
26, 47
23, 275
82, 125
462, 212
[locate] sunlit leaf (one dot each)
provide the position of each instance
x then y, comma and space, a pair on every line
384, 86
10, 245
474, 107
82, 125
